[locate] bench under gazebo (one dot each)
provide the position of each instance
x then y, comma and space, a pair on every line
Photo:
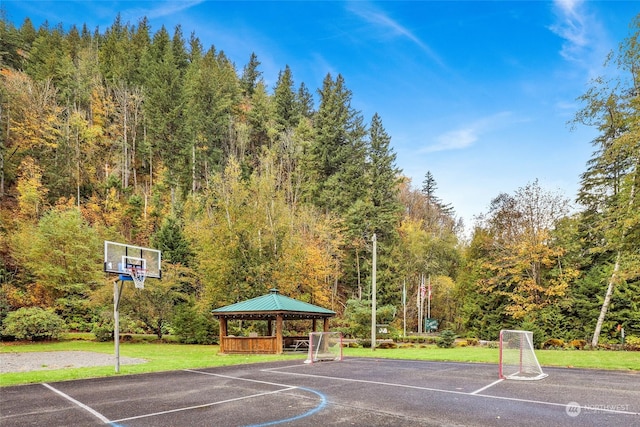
270, 307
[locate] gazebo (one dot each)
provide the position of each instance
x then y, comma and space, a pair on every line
269, 307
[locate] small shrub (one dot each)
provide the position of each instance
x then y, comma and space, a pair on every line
632, 340
632, 343
33, 324
446, 339
577, 344
553, 343
364, 343
473, 342
387, 344
103, 331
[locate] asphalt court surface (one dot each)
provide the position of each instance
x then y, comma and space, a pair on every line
354, 392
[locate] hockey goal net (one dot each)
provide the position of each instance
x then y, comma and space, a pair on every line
324, 346
518, 360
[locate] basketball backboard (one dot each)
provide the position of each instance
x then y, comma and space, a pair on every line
119, 256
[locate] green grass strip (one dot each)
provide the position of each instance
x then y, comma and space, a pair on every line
159, 356
599, 359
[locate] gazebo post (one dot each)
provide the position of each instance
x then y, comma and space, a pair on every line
326, 325
223, 332
313, 325
269, 328
279, 334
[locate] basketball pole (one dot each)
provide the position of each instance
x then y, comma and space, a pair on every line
116, 321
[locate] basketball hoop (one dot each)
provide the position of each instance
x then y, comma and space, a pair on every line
137, 274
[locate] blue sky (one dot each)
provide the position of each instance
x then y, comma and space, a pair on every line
479, 93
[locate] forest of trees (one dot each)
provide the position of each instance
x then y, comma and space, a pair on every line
152, 139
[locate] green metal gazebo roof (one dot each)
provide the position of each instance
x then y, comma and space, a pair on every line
271, 304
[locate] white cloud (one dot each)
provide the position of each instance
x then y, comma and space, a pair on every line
386, 24
167, 8
467, 135
454, 140
571, 27
585, 40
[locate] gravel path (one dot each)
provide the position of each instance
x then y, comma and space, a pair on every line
25, 362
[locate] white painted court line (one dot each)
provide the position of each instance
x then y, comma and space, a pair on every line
237, 378
477, 394
205, 405
487, 386
286, 387
80, 404
368, 382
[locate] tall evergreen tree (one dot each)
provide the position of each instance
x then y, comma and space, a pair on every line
170, 239
304, 102
383, 177
436, 209
251, 76
164, 109
115, 51
609, 189
180, 55
384, 180
284, 98
10, 44
338, 151
260, 118
140, 42
28, 33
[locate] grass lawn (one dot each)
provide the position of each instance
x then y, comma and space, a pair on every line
160, 357
171, 356
617, 360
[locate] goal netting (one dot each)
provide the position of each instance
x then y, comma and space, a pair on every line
518, 361
324, 346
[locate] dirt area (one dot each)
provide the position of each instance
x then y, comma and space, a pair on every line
25, 362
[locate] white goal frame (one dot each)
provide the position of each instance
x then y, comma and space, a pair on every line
518, 359
324, 346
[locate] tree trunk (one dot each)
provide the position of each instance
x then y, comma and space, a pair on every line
607, 299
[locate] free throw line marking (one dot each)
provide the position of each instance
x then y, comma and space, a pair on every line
205, 405
236, 378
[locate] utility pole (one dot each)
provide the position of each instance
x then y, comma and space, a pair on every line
373, 295
404, 307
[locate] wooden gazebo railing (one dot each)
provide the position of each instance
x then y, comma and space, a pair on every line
249, 345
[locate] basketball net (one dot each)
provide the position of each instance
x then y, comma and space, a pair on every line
138, 274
